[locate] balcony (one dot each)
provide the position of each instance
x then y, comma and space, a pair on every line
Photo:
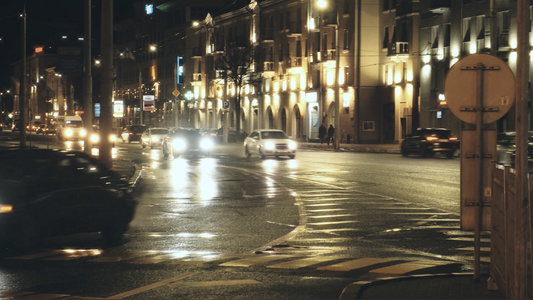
440, 6
329, 55
197, 77
295, 62
268, 66
267, 37
407, 9
398, 48
294, 29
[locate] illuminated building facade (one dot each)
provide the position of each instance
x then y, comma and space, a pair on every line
451, 30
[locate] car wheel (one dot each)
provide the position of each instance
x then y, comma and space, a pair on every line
143, 145
404, 152
247, 152
261, 155
292, 156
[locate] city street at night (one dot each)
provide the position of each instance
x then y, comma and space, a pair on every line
227, 226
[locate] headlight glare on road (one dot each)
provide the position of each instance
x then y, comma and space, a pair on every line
292, 145
206, 144
270, 146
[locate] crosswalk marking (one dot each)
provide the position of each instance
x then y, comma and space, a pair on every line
213, 283
354, 264
304, 262
331, 216
407, 267
252, 261
332, 223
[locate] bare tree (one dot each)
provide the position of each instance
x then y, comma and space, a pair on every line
236, 63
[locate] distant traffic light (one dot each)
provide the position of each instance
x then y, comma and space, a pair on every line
179, 65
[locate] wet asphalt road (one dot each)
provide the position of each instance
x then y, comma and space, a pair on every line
230, 227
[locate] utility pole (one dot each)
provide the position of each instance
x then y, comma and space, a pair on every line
87, 77
107, 82
22, 92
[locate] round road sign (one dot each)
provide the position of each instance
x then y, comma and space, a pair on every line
463, 83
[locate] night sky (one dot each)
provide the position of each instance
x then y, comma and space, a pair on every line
46, 22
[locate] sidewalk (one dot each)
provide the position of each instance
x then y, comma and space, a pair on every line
430, 286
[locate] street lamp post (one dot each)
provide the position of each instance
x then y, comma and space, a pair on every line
337, 135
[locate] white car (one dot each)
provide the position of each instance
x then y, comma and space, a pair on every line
269, 142
153, 137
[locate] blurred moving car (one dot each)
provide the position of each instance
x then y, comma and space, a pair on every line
45, 193
153, 137
183, 141
269, 142
428, 141
506, 146
70, 128
94, 138
132, 133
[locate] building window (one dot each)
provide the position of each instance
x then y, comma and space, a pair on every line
386, 38
369, 125
346, 39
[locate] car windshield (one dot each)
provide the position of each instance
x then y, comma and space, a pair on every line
273, 135
159, 131
138, 129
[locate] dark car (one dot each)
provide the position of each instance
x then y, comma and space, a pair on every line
506, 146
187, 141
45, 193
233, 135
132, 133
429, 141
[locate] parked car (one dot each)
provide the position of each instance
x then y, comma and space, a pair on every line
428, 141
187, 141
132, 133
153, 137
45, 193
269, 142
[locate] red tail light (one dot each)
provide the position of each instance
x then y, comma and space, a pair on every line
453, 138
431, 138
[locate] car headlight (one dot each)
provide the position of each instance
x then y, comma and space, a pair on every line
83, 132
206, 144
270, 146
95, 138
112, 138
179, 144
292, 145
155, 139
68, 132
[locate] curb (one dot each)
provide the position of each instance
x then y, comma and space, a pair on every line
356, 289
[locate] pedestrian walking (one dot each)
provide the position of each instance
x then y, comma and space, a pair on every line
331, 133
322, 133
